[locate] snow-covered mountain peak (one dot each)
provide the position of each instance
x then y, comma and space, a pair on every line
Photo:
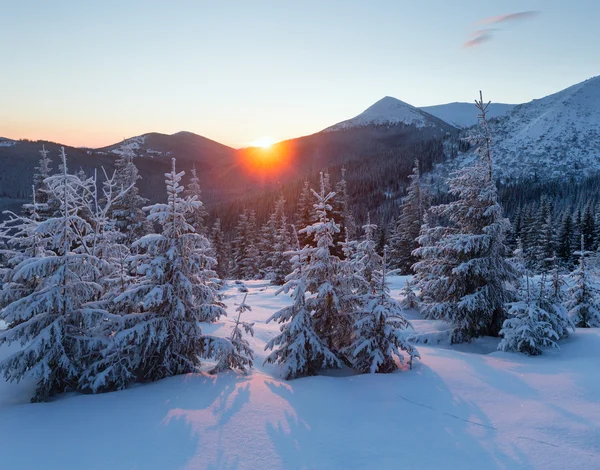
553, 137
387, 111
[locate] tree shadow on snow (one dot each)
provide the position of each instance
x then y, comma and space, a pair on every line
408, 419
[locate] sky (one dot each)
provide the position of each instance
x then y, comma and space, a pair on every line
91, 73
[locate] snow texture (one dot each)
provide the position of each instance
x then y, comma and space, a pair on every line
459, 408
387, 111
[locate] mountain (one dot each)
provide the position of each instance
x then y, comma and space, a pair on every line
555, 137
216, 163
389, 112
464, 115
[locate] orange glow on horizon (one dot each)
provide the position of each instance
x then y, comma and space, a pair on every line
269, 161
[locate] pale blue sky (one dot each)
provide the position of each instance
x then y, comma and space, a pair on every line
87, 72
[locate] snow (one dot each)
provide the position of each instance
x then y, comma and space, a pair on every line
463, 408
554, 137
387, 111
133, 143
7, 142
464, 115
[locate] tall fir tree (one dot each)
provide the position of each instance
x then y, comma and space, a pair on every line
219, 249
298, 347
171, 297
127, 212
329, 303
378, 330
404, 239
198, 217
50, 318
583, 303
463, 273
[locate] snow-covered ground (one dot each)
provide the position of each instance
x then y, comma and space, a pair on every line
465, 407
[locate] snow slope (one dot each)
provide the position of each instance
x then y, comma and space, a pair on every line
388, 111
464, 115
457, 409
554, 137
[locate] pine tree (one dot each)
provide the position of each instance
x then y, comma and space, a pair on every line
298, 347
173, 295
43, 171
588, 228
304, 213
409, 297
127, 212
197, 218
378, 330
404, 239
532, 322
245, 252
342, 215
463, 274
584, 302
329, 303
279, 261
565, 238
50, 317
219, 247
235, 352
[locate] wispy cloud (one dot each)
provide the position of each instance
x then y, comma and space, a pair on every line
522, 15
480, 36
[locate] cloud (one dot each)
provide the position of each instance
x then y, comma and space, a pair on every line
522, 15
478, 37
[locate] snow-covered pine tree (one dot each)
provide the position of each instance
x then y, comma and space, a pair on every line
233, 352
329, 302
279, 260
245, 252
107, 242
219, 249
404, 239
378, 329
51, 317
197, 218
409, 297
588, 228
342, 215
584, 295
127, 212
565, 239
304, 213
368, 260
298, 347
530, 323
42, 171
163, 336
463, 275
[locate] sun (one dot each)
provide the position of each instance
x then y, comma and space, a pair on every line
263, 143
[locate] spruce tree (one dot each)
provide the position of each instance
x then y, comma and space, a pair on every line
197, 218
378, 330
219, 250
463, 274
299, 348
48, 299
584, 295
234, 352
404, 239
329, 303
304, 213
127, 212
162, 337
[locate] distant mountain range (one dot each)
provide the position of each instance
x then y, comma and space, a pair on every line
552, 137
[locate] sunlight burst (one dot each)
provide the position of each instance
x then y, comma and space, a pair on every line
263, 142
